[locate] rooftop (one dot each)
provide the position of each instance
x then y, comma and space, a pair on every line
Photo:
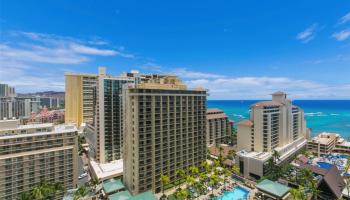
273, 188
263, 104
325, 138
107, 170
246, 122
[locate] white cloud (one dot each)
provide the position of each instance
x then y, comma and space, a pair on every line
344, 19
185, 73
262, 87
342, 35
308, 34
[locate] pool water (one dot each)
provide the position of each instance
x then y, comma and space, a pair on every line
324, 165
237, 193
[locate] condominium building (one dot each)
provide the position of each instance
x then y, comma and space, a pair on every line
105, 134
275, 125
17, 107
50, 102
79, 98
31, 153
7, 91
326, 143
165, 129
219, 127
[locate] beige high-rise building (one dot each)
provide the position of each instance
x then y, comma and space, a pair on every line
275, 125
31, 153
79, 96
165, 128
219, 127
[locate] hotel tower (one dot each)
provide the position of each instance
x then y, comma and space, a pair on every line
105, 134
275, 125
32, 153
79, 98
165, 128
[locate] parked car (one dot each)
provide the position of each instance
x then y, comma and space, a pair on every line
83, 175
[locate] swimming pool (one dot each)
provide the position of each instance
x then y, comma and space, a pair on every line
237, 193
324, 165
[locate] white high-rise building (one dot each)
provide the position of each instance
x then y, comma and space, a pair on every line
275, 125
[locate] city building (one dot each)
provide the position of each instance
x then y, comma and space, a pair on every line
7, 91
219, 127
31, 153
50, 102
45, 116
105, 134
18, 107
79, 98
275, 125
326, 143
165, 129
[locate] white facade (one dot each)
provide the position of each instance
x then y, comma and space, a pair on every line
275, 125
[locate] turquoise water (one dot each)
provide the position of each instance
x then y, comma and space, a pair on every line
237, 193
320, 115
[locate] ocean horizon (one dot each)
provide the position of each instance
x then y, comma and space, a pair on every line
320, 115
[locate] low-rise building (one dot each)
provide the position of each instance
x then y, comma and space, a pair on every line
327, 143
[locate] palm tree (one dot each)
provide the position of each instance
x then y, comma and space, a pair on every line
194, 170
314, 189
81, 192
165, 180
189, 180
347, 185
235, 169
214, 180
298, 193
226, 173
94, 182
182, 194
276, 156
180, 174
25, 196
232, 154
305, 176
38, 191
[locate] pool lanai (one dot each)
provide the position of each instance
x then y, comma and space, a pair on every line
237, 193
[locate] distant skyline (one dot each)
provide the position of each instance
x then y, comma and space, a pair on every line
236, 49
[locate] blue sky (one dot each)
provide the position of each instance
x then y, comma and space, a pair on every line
236, 49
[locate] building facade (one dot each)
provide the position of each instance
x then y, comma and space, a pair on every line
326, 143
18, 107
165, 129
219, 127
7, 91
105, 134
275, 125
32, 153
79, 98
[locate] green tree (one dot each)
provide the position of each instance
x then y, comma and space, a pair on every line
81, 192
189, 180
181, 194
314, 190
195, 171
25, 196
180, 174
276, 156
347, 185
165, 180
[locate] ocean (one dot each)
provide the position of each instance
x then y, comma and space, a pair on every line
320, 115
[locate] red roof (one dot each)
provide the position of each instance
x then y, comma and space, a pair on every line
245, 123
